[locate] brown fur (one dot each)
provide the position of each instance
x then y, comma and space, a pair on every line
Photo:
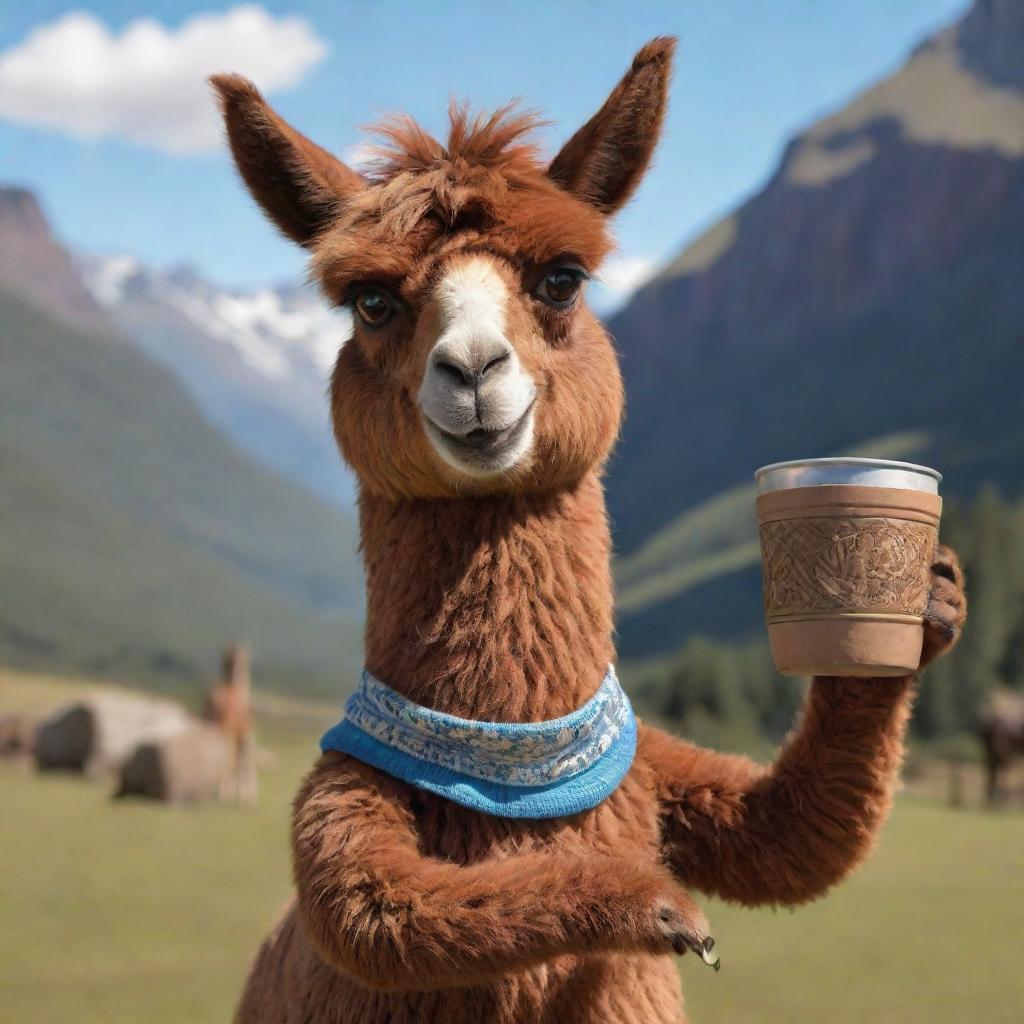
604, 161
492, 599
293, 179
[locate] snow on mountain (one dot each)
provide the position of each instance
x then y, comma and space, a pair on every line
106, 278
257, 362
278, 332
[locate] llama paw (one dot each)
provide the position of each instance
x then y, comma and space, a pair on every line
648, 910
677, 930
947, 606
674, 922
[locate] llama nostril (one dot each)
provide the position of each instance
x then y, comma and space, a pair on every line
493, 363
455, 374
471, 372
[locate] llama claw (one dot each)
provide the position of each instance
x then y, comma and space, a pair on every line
712, 959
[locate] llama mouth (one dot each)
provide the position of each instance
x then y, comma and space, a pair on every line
483, 452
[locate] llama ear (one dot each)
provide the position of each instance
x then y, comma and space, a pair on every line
605, 160
298, 184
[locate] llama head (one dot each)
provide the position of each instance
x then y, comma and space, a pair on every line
475, 365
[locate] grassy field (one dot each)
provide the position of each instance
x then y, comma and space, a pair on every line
116, 913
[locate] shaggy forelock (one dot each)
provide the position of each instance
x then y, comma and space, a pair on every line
498, 140
487, 187
463, 183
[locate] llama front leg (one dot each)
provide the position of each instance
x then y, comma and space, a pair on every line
786, 833
376, 908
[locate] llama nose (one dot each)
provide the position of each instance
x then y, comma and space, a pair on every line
470, 367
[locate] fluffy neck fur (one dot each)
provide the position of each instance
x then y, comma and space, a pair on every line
497, 608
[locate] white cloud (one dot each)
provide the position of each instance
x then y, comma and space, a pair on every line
147, 83
617, 280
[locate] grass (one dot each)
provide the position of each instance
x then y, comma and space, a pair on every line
930, 930
118, 913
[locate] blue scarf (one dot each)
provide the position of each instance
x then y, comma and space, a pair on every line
530, 770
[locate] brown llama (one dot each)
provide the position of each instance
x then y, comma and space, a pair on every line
478, 400
1001, 731
228, 708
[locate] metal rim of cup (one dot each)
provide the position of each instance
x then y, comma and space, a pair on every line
780, 476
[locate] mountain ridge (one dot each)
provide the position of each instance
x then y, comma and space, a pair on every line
38, 267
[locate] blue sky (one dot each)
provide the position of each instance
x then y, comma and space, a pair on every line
124, 163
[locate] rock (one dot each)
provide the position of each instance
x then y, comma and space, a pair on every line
98, 733
185, 768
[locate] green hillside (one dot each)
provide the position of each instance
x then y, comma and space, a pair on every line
134, 540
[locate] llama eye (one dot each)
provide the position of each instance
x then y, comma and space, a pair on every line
560, 287
374, 307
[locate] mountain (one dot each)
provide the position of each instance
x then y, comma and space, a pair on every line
34, 265
136, 539
256, 362
868, 298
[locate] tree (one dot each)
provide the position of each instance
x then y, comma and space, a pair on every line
992, 601
1011, 667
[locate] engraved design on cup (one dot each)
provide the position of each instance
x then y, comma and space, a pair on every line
825, 565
